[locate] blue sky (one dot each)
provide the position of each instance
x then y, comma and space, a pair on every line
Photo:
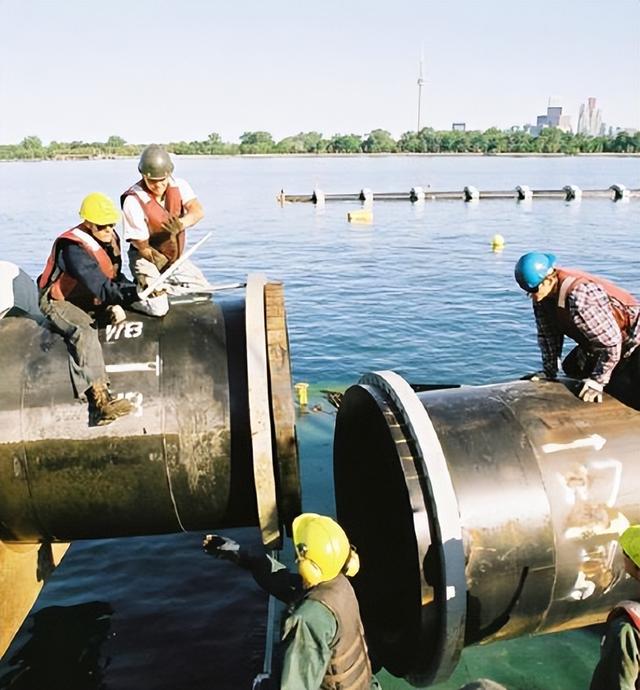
153, 70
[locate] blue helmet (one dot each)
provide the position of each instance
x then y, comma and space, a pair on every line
533, 268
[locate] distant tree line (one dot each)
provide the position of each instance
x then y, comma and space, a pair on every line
427, 140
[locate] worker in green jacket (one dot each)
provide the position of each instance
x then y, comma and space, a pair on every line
324, 644
619, 665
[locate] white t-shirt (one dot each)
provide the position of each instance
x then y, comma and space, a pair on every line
134, 222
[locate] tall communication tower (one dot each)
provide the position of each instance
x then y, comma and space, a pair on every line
420, 83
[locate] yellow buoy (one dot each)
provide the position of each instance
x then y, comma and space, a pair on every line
497, 243
301, 391
362, 216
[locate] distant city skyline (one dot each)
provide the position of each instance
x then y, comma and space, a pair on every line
85, 71
590, 118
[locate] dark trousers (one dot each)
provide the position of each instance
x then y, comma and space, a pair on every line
86, 363
624, 384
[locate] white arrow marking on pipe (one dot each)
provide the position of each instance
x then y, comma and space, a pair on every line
594, 441
135, 366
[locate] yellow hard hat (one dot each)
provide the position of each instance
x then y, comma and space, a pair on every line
630, 543
322, 549
99, 209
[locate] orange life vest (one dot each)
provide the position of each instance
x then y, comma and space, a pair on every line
64, 286
620, 301
156, 214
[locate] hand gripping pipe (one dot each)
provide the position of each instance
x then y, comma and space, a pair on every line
211, 443
482, 513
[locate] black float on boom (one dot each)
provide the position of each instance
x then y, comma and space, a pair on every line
570, 192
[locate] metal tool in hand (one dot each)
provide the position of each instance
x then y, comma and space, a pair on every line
222, 286
155, 284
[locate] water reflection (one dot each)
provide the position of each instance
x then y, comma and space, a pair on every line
63, 649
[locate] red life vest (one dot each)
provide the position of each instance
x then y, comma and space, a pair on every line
64, 286
156, 214
620, 300
631, 609
629, 612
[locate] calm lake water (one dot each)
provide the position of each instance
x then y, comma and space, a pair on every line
418, 291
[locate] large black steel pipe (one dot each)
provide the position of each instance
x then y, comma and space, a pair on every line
203, 449
482, 513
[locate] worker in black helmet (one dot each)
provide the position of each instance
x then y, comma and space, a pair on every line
157, 210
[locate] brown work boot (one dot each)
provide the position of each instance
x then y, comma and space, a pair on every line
103, 407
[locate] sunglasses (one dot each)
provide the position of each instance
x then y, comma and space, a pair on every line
532, 291
104, 227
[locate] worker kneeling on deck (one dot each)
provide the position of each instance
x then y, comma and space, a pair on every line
83, 275
619, 665
601, 317
323, 635
157, 210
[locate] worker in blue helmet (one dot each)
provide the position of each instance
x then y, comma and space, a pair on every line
619, 665
602, 318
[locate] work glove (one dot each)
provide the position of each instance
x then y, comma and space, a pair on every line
591, 391
116, 314
146, 272
173, 225
538, 376
221, 547
159, 259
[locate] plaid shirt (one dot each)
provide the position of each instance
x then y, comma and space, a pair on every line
588, 306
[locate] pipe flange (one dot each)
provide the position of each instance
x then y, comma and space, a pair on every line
452, 599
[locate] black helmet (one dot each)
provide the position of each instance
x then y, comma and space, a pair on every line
155, 162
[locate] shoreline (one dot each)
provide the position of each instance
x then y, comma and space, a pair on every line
404, 154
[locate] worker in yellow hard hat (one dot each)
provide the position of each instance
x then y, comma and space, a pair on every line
83, 276
619, 665
323, 638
